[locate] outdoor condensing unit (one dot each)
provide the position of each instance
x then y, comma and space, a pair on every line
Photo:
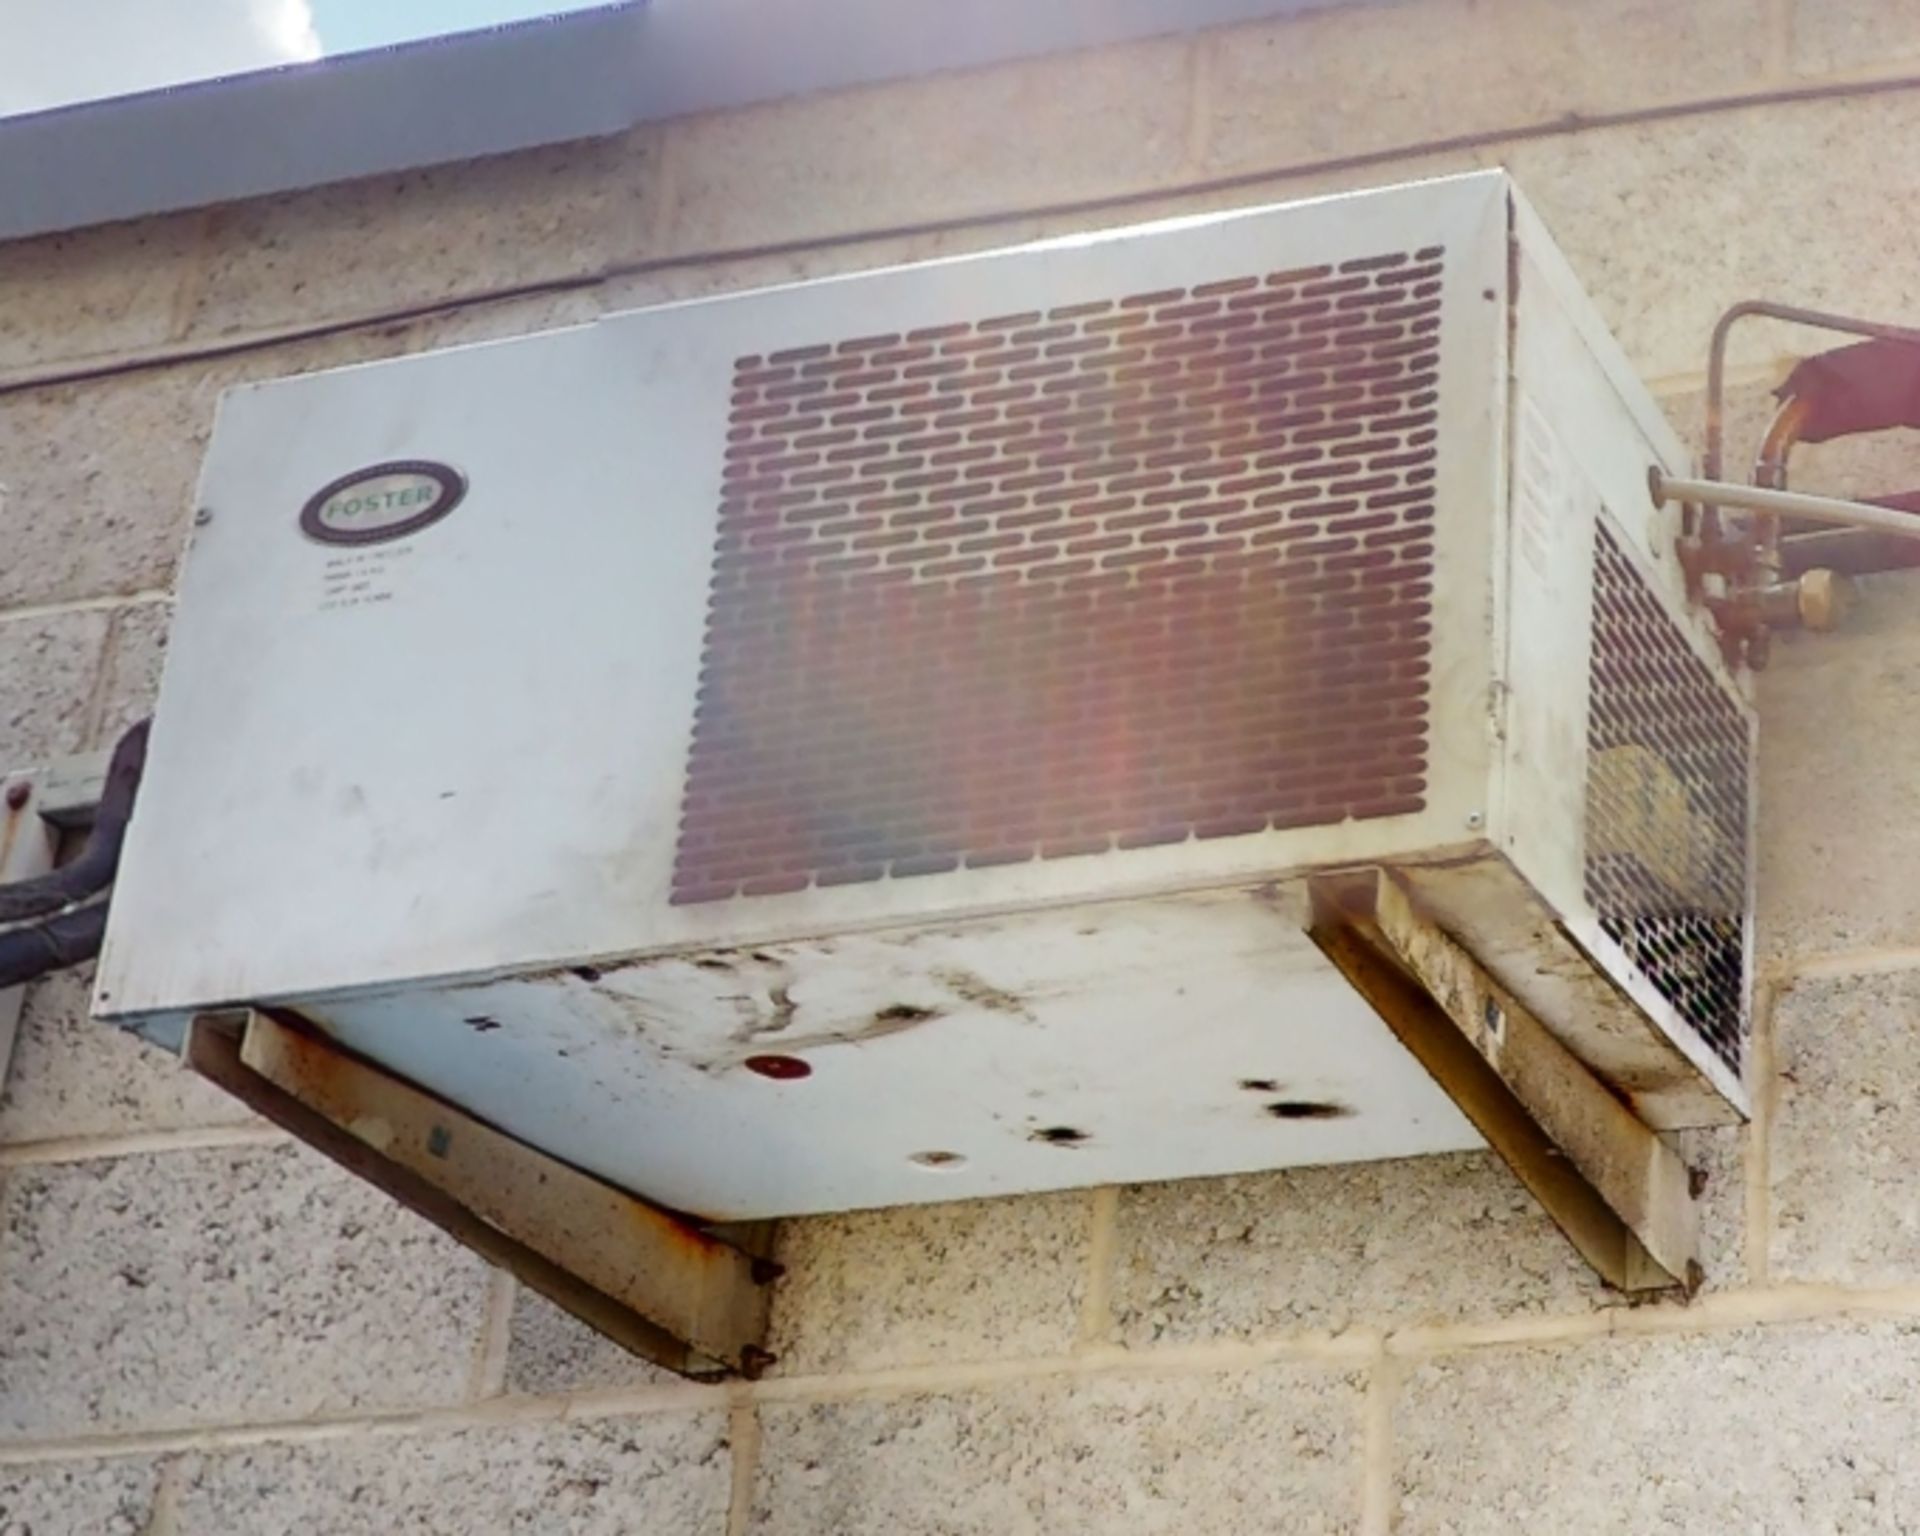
869, 741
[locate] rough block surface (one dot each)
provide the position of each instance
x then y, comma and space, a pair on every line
96, 483
93, 292
392, 242
1840, 814
1338, 82
1634, 206
1832, 35
47, 672
981, 1279
74, 1077
997, 140
551, 1351
78, 1498
1844, 1207
1270, 1451
607, 1477
1416, 1240
1786, 1428
136, 651
206, 1287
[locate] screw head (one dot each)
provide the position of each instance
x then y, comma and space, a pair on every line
202, 516
1475, 821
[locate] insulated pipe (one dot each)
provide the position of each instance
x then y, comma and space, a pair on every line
1754, 498
94, 868
28, 953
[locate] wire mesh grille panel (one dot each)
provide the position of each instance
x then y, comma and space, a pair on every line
1121, 573
1666, 869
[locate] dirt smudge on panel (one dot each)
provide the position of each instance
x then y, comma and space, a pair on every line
972, 988
1309, 1109
894, 1019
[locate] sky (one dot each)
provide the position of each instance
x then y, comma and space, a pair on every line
54, 53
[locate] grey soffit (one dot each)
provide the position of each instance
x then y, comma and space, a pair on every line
575, 76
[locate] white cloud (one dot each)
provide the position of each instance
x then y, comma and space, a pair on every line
287, 25
53, 52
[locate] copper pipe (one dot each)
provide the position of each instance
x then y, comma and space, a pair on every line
1770, 470
1770, 466
1714, 463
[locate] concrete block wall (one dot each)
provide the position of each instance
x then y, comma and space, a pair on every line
204, 1329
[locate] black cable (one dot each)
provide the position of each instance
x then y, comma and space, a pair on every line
67, 937
98, 860
1111, 202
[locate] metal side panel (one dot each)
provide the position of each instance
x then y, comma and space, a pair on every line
435, 753
1598, 602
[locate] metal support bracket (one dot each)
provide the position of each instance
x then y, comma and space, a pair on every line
1623, 1197
666, 1290
37, 805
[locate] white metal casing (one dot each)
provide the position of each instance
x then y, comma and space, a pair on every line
429, 792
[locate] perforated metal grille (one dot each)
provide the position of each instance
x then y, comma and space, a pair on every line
1667, 807
1114, 574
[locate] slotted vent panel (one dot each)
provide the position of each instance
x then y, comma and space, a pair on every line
1115, 574
1667, 807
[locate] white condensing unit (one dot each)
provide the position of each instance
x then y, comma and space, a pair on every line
904, 737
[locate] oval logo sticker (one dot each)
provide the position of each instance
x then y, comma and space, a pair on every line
382, 502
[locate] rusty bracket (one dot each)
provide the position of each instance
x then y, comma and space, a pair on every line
1623, 1197
662, 1288
36, 806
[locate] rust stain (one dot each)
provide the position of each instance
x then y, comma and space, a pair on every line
322, 1075
676, 1232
